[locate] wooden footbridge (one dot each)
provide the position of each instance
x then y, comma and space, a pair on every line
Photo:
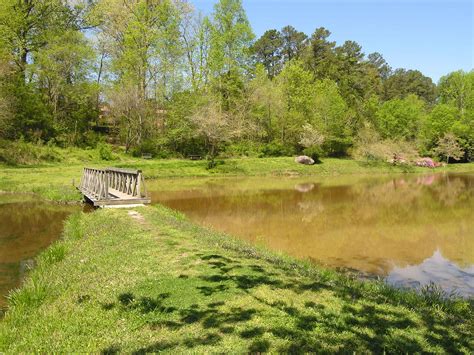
114, 187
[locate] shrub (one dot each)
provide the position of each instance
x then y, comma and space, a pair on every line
212, 163
384, 151
276, 149
25, 153
146, 147
90, 139
337, 147
243, 148
314, 152
105, 151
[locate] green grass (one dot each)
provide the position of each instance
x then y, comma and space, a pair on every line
155, 282
54, 181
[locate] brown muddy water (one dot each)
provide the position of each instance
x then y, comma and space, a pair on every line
27, 226
410, 229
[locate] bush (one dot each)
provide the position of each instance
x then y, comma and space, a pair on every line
243, 148
276, 149
384, 151
337, 147
25, 153
105, 151
314, 152
146, 147
90, 139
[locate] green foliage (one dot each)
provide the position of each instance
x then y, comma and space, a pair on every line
266, 105
212, 163
457, 89
276, 149
441, 120
334, 118
337, 146
161, 79
403, 83
243, 149
267, 50
401, 118
449, 147
315, 152
24, 153
33, 119
231, 38
293, 44
105, 151
42, 39
297, 89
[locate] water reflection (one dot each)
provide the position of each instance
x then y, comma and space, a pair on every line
26, 228
364, 223
436, 269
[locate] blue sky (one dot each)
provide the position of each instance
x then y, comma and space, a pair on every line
433, 36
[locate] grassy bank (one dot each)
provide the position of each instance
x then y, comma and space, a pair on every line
54, 181
148, 280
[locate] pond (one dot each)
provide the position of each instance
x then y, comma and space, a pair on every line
27, 226
410, 229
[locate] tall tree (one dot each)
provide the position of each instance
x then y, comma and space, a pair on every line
320, 56
196, 35
293, 43
6, 114
268, 51
229, 56
378, 62
63, 67
146, 52
405, 82
296, 85
332, 117
457, 89
401, 118
231, 38
27, 25
266, 104
350, 71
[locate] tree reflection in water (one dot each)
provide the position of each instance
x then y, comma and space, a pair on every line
362, 223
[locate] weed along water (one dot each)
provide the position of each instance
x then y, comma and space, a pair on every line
27, 226
411, 229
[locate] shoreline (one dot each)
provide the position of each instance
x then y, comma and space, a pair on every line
53, 182
143, 279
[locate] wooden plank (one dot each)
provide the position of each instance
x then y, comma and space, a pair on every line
120, 195
143, 201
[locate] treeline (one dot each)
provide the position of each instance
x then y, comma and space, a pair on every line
159, 77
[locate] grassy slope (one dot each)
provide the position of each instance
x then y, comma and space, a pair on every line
156, 282
55, 181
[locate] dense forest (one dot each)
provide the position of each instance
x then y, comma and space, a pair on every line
158, 77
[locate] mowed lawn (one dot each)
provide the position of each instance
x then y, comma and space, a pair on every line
148, 280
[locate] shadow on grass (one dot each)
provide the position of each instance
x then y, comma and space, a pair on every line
360, 323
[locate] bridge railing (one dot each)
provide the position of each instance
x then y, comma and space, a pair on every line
101, 183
